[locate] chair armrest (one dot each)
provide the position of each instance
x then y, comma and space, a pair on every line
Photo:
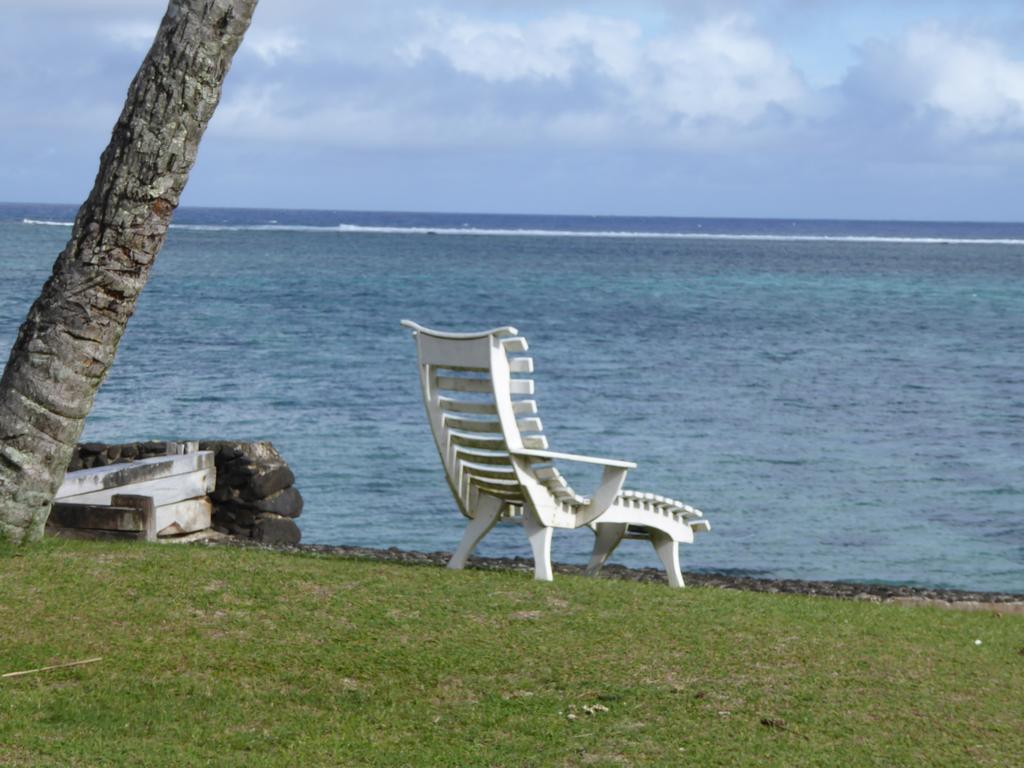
611, 486
536, 453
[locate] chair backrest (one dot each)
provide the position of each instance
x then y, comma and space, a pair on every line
479, 406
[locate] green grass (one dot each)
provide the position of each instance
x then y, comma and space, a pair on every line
228, 657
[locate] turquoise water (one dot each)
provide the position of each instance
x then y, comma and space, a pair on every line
843, 400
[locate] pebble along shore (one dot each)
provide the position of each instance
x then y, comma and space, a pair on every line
999, 602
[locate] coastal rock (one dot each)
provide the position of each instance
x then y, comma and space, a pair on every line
997, 603
254, 483
287, 503
274, 529
272, 480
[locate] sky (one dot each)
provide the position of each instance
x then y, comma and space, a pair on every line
895, 109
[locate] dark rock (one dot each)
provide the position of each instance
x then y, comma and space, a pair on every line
242, 515
92, 448
274, 529
287, 503
113, 453
228, 452
130, 452
233, 474
154, 447
224, 492
270, 482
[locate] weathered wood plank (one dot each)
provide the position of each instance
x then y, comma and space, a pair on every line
184, 517
89, 481
163, 490
126, 514
97, 516
135, 515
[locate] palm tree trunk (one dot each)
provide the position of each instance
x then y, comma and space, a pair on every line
67, 343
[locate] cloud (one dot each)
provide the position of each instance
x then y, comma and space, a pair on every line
960, 83
972, 81
722, 69
272, 47
668, 86
670, 96
551, 48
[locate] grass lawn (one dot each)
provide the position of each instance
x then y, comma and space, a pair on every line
222, 656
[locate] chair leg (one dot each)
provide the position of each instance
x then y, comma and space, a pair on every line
606, 538
540, 542
668, 550
487, 514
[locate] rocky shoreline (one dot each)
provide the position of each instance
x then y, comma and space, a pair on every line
999, 602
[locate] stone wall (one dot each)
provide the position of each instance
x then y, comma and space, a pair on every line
255, 496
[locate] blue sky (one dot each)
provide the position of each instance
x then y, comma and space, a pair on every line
780, 108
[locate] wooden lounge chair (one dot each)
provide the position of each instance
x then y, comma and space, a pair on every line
498, 464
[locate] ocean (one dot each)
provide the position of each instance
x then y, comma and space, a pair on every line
843, 399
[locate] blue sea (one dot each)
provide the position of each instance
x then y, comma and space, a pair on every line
843, 399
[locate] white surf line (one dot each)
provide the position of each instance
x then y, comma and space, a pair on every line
597, 234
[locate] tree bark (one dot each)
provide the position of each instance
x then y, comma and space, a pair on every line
68, 341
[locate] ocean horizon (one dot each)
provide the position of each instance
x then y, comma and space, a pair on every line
843, 399
216, 218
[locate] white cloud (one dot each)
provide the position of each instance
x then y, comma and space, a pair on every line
972, 80
670, 85
722, 69
551, 48
942, 85
272, 47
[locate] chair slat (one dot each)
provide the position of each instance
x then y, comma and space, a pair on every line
465, 406
525, 407
471, 425
521, 365
497, 488
565, 494
538, 442
530, 425
490, 470
520, 387
477, 440
515, 344
481, 456
460, 384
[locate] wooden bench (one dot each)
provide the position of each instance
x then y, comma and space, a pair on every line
158, 497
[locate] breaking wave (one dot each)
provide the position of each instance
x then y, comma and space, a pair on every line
345, 228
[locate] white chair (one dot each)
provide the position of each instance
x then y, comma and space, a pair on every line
499, 467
